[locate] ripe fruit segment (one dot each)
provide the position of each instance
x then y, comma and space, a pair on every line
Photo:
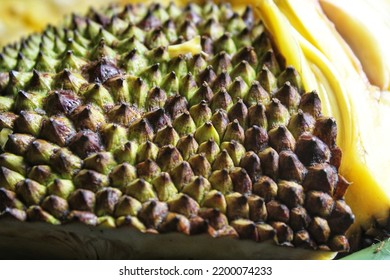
169, 120
360, 110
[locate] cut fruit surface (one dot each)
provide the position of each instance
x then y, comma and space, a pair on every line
156, 120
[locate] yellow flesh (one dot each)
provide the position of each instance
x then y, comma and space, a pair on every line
365, 26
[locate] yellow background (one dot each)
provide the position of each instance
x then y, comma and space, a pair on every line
22, 17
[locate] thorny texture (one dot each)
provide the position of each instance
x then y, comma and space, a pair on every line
100, 126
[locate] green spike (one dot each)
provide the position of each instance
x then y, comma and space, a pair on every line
35, 213
169, 29
188, 86
187, 30
156, 98
213, 28
220, 121
234, 131
141, 190
222, 62
141, 131
9, 178
127, 205
133, 31
92, 29
184, 124
99, 95
245, 71
13, 162
291, 75
197, 64
29, 101
267, 80
119, 89
71, 62
200, 113
101, 162
10, 51
31, 192
90, 180
156, 38
40, 152
138, 92
134, 62
127, 153
17, 143
200, 165
269, 60
27, 51
158, 55
210, 149
204, 92
69, 80
164, 187
6, 63
102, 50
61, 187
170, 83
106, 222
80, 39
178, 65
223, 161
187, 146
122, 175
235, 24
225, 43
43, 174
289, 97
205, 132
6, 103
76, 48
277, 114
235, 150
221, 100
243, 39
221, 181
215, 200
197, 189
59, 45
7, 120
24, 64
17, 81
40, 82
166, 136
131, 43
152, 75
114, 136
65, 163
29, 122
256, 94
147, 150
105, 35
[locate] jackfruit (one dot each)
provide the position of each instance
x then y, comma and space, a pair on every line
199, 119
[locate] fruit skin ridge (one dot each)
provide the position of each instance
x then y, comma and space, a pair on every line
99, 95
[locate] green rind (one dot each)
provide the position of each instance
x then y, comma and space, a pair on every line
378, 251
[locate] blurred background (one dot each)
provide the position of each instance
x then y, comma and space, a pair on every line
21, 17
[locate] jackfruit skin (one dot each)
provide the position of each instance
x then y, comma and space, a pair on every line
103, 124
